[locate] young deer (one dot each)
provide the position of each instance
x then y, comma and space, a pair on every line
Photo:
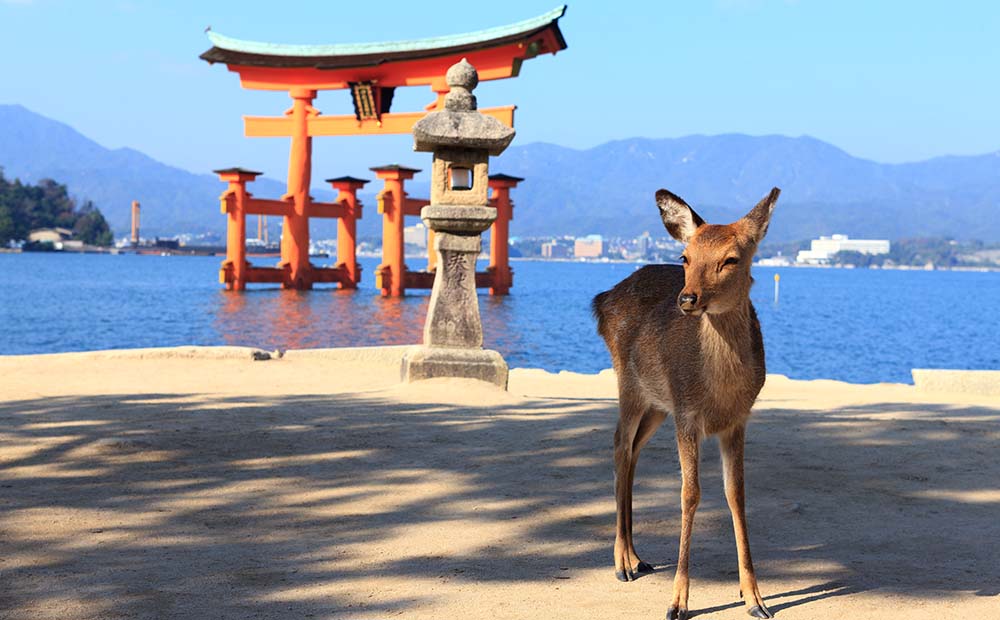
686, 340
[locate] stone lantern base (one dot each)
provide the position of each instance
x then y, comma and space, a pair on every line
424, 362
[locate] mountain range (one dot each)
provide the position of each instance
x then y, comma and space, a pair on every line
607, 189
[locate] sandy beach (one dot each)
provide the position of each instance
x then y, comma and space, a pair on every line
196, 483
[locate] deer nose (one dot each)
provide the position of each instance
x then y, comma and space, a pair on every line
687, 300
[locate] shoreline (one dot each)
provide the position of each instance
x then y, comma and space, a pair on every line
197, 251
980, 382
976, 269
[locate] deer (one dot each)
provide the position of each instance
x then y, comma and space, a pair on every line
685, 340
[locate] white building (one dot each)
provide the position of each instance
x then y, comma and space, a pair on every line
821, 250
775, 261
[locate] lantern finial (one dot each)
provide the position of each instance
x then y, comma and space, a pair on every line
462, 79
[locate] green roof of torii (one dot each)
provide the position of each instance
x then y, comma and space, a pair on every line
235, 51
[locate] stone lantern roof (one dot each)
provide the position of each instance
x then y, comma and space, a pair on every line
460, 124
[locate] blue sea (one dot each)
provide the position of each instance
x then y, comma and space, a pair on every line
862, 326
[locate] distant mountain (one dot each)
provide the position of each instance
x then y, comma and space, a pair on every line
607, 189
34, 147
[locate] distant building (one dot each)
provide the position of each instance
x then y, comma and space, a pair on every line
644, 244
554, 249
50, 235
591, 246
60, 238
775, 261
821, 250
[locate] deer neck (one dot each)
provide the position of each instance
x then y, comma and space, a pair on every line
732, 365
727, 341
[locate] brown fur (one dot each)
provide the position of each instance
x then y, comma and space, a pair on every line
686, 340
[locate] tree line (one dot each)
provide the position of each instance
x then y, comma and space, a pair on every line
25, 207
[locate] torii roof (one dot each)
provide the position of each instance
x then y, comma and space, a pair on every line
349, 179
394, 168
349, 55
504, 177
237, 170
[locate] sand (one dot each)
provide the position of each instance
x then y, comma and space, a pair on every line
193, 484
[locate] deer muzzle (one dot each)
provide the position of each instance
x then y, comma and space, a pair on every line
688, 303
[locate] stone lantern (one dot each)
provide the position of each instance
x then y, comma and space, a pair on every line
462, 141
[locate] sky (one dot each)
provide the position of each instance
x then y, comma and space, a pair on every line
889, 81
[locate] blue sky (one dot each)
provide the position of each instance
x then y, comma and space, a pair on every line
889, 81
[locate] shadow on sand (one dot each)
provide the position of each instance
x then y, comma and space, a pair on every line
231, 503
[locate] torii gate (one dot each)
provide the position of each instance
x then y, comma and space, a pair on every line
372, 72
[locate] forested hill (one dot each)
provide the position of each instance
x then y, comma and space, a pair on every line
607, 189
25, 207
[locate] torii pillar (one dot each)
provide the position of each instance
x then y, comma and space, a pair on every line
393, 204
234, 203
347, 227
295, 233
502, 274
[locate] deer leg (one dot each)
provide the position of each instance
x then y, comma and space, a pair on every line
647, 428
628, 425
731, 445
687, 452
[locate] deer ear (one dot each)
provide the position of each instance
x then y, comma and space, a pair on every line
679, 218
760, 216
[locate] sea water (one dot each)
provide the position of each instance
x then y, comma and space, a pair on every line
857, 325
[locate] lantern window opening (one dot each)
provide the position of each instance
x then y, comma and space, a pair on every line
461, 178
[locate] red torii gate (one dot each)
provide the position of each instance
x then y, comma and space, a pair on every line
372, 72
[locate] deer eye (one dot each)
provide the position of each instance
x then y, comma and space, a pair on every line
684, 259
732, 260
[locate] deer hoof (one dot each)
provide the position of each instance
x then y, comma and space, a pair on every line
631, 575
675, 613
759, 611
